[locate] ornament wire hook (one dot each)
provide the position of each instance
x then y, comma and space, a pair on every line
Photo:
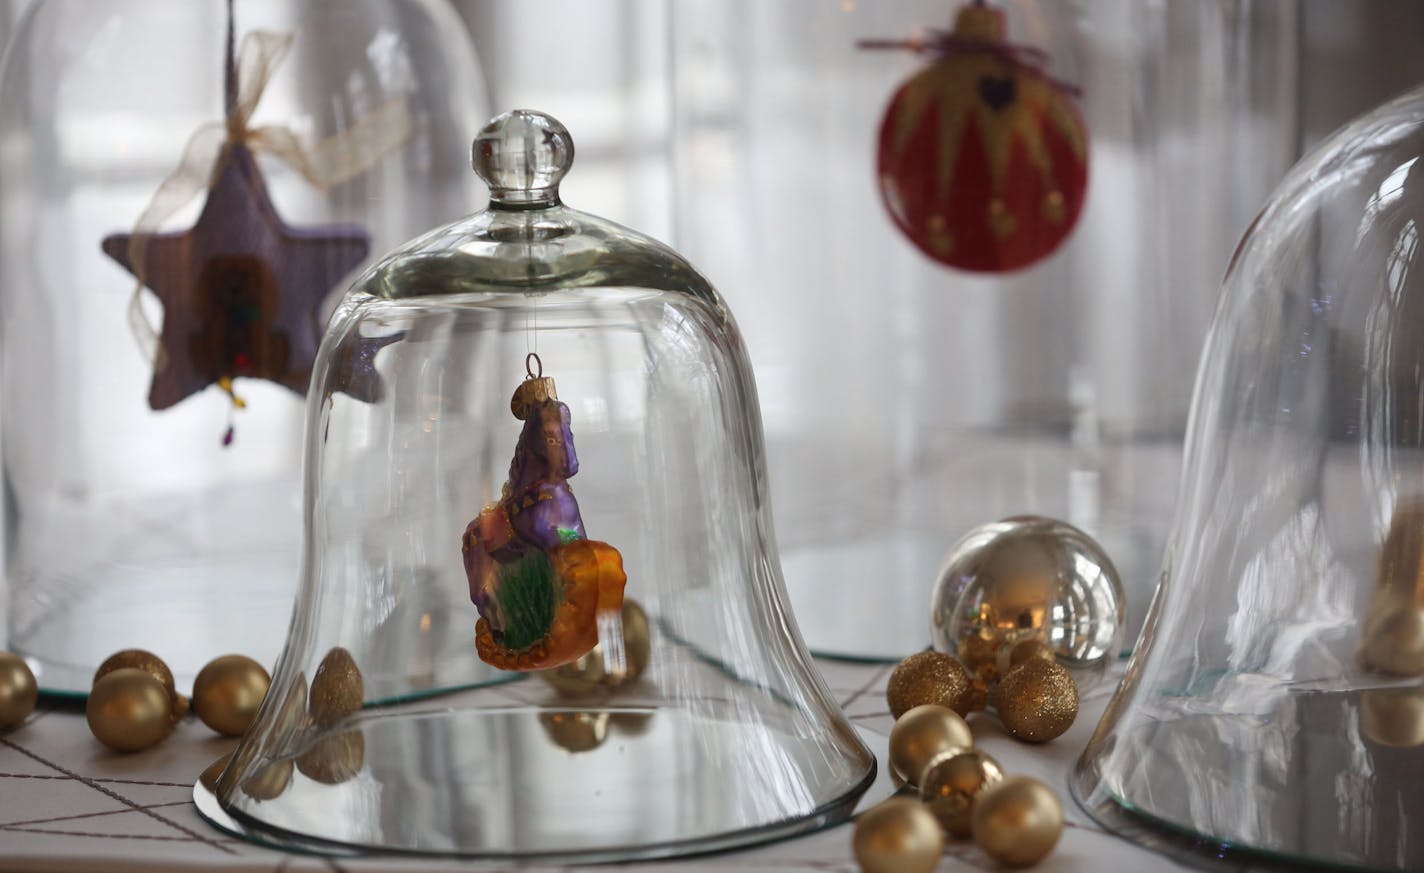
529, 372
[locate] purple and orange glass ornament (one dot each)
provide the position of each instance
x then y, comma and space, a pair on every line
539, 582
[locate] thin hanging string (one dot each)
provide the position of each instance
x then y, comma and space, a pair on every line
230, 112
531, 333
230, 90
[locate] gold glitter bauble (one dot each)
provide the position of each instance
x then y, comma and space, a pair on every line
929, 677
1018, 821
576, 730
1027, 650
270, 780
129, 710
228, 691
333, 759
951, 784
337, 689
18, 691
980, 648
924, 734
978, 695
1036, 701
586, 676
1393, 716
291, 717
142, 659
898, 836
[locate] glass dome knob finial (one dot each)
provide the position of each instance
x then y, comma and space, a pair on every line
522, 155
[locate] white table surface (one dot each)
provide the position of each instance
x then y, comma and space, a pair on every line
68, 804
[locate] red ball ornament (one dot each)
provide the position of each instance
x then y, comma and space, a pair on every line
983, 158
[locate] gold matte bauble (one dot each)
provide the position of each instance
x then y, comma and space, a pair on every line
1393, 716
333, 759
637, 639
270, 780
898, 836
587, 676
929, 677
576, 730
1394, 641
580, 677
142, 659
18, 691
209, 777
228, 692
129, 710
1018, 821
1036, 701
924, 734
630, 723
337, 689
951, 784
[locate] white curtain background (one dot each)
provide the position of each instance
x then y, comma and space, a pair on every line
605, 68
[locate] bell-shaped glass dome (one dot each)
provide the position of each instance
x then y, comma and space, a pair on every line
628, 461
184, 187
1275, 702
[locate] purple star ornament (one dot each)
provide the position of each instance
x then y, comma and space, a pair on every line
241, 288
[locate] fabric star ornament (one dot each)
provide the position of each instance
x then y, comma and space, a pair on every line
240, 289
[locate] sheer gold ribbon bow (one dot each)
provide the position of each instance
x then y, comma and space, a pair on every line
325, 163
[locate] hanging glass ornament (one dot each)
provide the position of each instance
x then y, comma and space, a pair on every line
983, 157
541, 585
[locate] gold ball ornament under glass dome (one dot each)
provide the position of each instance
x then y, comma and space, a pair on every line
568, 414
1271, 704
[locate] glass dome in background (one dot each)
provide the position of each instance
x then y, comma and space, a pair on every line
128, 525
1275, 702
907, 403
420, 502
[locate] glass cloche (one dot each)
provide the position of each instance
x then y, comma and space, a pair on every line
1275, 703
184, 185
565, 468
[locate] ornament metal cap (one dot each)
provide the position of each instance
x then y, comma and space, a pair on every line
977, 21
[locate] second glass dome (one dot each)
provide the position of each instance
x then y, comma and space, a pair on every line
1275, 702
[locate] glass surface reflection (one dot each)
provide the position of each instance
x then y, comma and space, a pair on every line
1274, 702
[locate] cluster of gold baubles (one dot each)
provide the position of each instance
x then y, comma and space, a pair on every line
134, 704
963, 792
1035, 697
